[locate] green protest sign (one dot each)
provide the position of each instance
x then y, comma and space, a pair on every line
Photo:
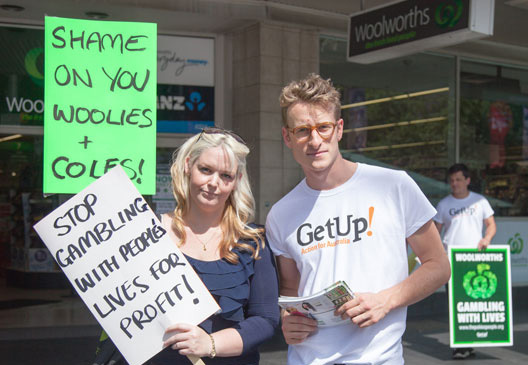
480, 307
100, 103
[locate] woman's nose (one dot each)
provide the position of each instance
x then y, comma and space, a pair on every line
213, 180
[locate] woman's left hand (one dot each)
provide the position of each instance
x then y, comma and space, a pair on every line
188, 340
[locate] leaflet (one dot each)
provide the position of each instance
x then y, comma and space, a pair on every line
321, 305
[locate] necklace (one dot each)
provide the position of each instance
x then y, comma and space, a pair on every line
204, 244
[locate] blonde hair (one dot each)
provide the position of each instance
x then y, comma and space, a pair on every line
240, 206
312, 90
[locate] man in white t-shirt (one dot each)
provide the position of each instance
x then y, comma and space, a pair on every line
462, 214
348, 221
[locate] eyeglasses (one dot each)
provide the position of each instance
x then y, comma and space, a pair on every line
217, 130
302, 132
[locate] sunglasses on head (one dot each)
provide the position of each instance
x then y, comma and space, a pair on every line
217, 130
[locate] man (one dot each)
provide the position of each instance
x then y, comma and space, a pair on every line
462, 215
348, 221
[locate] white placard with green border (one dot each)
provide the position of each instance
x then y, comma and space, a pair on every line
480, 297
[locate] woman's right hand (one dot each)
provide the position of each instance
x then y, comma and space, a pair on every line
297, 328
188, 340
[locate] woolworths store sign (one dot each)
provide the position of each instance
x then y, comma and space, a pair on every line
415, 25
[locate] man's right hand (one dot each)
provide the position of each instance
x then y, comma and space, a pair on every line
296, 328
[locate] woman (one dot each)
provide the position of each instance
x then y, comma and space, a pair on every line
211, 227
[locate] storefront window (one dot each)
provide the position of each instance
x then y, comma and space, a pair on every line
22, 204
494, 134
398, 113
21, 76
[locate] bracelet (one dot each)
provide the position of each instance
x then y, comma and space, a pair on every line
213, 348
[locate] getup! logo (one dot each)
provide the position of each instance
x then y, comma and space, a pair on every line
335, 231
448, 13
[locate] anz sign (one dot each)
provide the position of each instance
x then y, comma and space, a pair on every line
184, 109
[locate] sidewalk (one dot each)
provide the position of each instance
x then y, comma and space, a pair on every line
64, 333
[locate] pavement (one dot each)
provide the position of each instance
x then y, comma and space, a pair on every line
65, 334
426, 341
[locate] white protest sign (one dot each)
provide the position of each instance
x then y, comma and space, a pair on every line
123, 264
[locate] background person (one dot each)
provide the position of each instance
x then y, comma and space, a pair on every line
340, 202
463, 214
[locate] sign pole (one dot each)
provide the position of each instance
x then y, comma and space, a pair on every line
195, 360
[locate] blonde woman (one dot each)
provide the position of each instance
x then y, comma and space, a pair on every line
211, 227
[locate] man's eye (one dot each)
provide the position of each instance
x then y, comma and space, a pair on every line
324, 128
302, 130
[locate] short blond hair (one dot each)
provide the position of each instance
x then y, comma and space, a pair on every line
312, 90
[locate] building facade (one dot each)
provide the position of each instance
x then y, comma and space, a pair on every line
421, 113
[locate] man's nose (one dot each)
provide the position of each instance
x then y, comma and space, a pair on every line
315, 138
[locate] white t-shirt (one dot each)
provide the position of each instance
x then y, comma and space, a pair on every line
327, 234
463, 219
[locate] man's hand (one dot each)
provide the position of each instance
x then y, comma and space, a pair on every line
365, 309
483, 244
297, 328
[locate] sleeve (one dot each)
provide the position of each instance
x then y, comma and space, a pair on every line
273, 237
486, 208
262, 311
438, 216
416, 208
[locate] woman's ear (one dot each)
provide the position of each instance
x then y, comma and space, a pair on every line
187, 167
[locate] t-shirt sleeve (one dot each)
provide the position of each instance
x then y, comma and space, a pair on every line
438, 216
273, 236
262, 311
486, 208
416, 208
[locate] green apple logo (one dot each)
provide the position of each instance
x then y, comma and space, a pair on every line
30, 62
481, 284
448, 13
516, 244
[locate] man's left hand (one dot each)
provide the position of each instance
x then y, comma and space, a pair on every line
483, 244
365, 309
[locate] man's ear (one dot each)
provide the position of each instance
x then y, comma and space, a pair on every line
339, 129
286, 137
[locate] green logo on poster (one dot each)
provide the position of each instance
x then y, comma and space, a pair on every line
516, 244
448, 13
481, 284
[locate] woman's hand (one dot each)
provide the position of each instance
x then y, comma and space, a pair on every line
188, 340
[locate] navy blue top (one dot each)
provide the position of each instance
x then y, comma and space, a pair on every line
247, 294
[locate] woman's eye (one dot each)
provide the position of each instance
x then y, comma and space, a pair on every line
227, 176
204, 169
